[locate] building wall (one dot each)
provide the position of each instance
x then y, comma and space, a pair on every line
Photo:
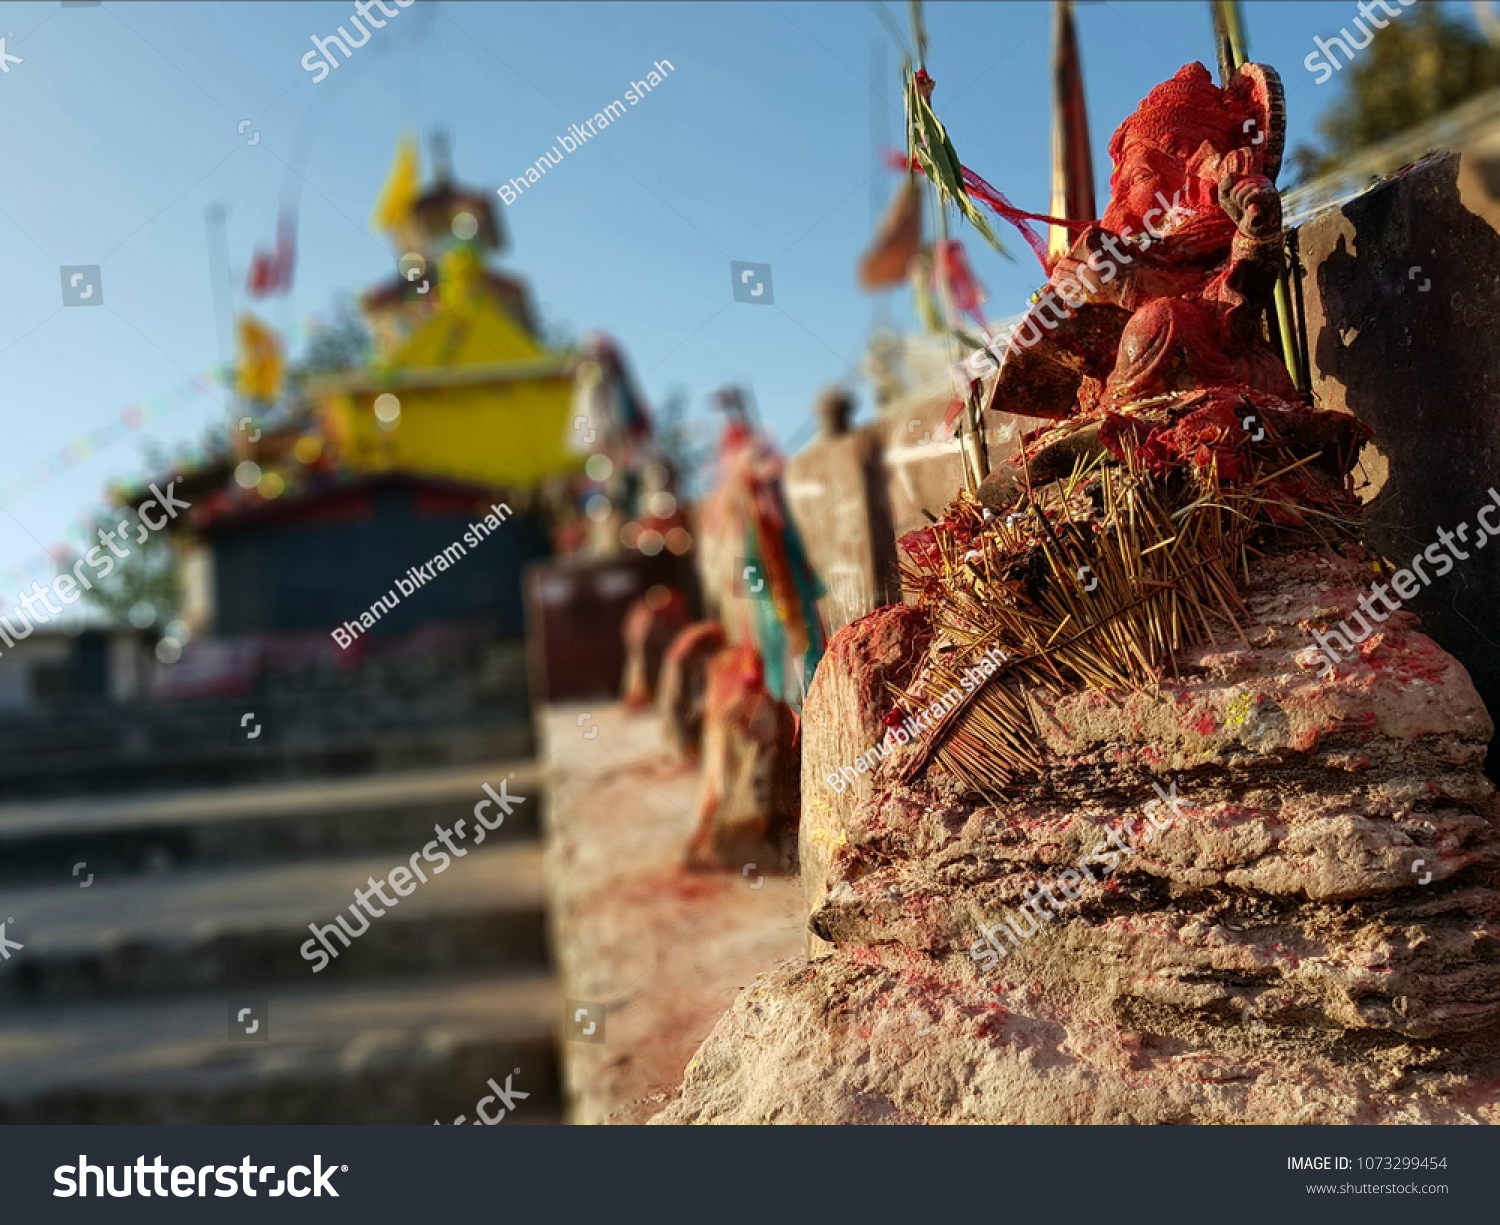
490, 434
23, 667
315, 573
53, 666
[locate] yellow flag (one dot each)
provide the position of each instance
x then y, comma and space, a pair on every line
260, 366
402, 186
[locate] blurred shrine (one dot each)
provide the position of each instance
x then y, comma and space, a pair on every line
336, 476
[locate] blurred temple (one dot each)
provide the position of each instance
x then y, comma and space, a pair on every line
324, 496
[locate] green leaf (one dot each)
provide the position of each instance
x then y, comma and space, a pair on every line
928, 140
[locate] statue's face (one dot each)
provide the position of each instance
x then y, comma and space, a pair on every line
1143, 172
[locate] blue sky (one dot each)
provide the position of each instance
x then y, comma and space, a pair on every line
119, 129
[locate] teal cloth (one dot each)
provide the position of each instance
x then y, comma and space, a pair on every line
770, 635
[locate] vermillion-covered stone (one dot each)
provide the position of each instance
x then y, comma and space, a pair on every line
683, 691
748, 812
1312, 938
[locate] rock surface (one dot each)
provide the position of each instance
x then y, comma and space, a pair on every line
1310, 937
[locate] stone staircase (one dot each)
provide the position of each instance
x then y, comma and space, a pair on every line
118, 1006
459, 702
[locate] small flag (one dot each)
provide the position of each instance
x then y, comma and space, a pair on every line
402, 187
260, 360
897, 240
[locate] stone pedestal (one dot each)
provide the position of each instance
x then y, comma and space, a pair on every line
683, 692
833, 493
651, 625
1307, 935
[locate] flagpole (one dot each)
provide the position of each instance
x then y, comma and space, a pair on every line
220, 288
880, 304
221, 285
1073, 195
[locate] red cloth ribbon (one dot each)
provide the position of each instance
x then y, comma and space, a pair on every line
979, 190
953, 267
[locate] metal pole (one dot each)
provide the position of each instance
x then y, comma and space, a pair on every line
218, 278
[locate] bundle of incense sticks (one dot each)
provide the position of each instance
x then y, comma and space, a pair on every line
1094, 582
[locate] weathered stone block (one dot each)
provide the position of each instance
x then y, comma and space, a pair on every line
841, 724
683, 693
923, 469
1305, 931
1402, 289
832, 492
651, 623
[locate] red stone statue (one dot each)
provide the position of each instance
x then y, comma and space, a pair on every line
1167, 295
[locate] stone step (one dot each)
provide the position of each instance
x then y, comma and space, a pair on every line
429, 704
133, 758
42, 840
239, 929
401, 1052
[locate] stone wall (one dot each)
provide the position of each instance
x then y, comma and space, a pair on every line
854, 496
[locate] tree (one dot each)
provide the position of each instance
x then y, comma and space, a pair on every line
147, 576
343, 344
553, 332
1421, 65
